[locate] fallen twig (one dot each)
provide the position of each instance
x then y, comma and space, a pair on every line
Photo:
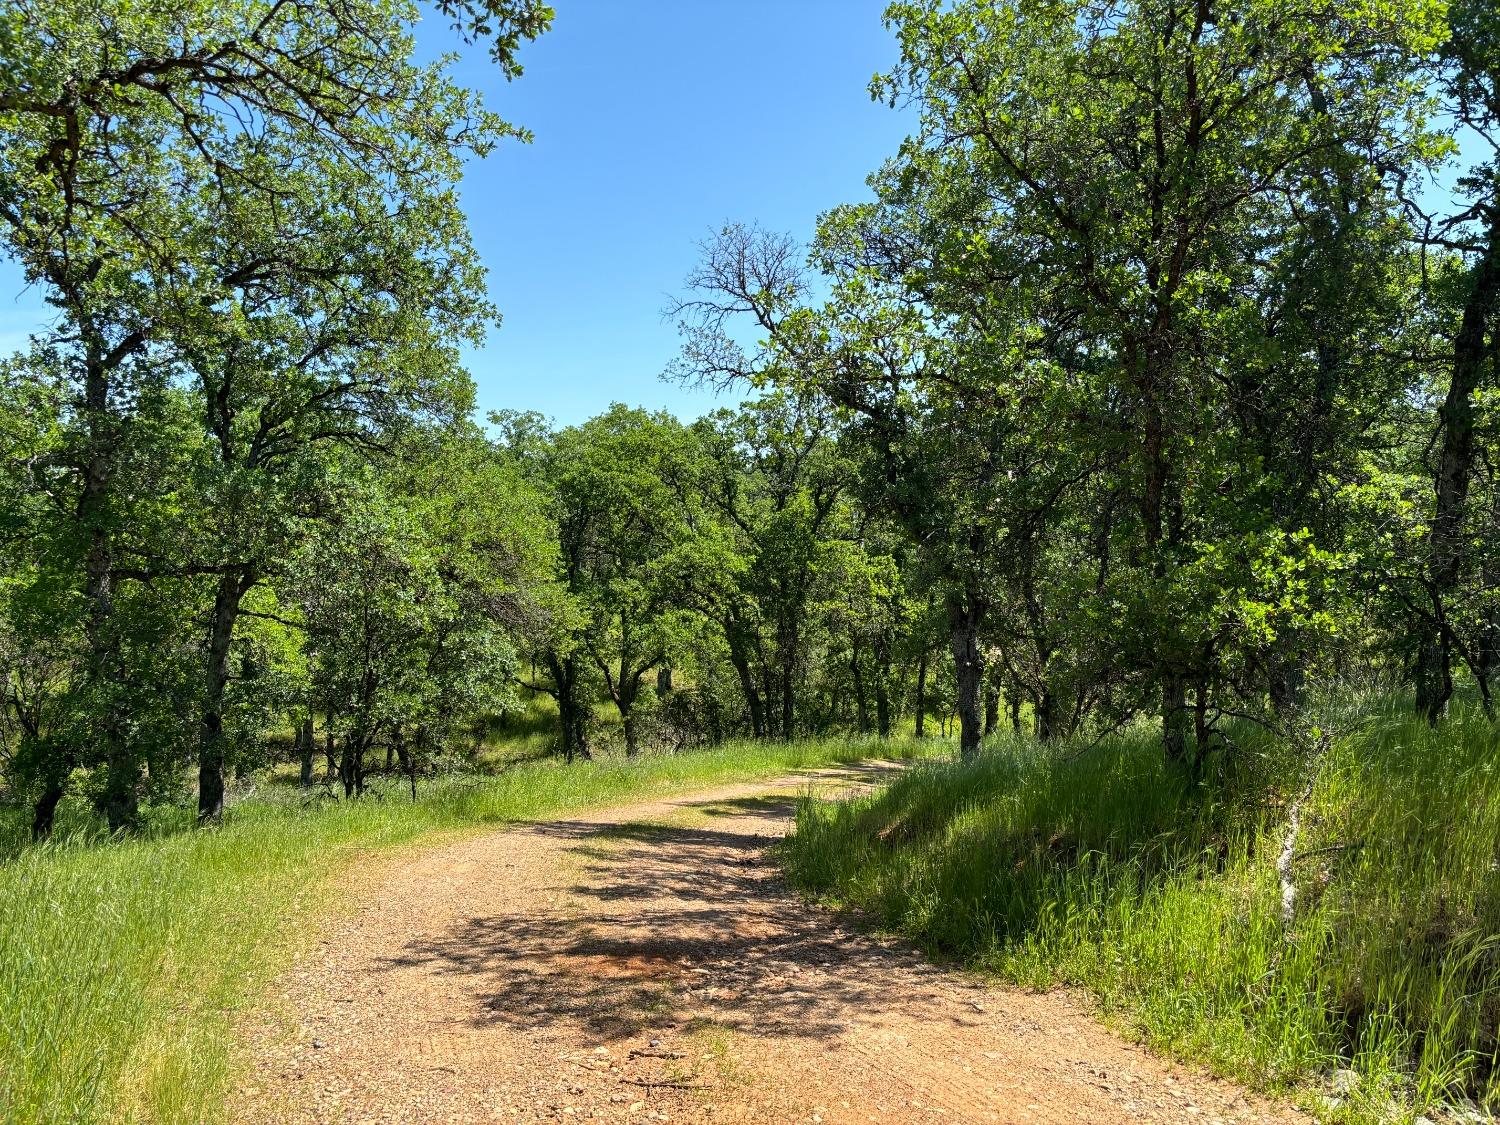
647, 1053
667, 1083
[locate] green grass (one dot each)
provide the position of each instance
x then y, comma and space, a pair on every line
122, 964
1114, 873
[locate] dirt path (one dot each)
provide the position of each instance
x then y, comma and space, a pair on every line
645, 963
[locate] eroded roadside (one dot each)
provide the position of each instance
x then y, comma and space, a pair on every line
645, 962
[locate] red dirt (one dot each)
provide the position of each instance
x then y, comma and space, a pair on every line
645, 963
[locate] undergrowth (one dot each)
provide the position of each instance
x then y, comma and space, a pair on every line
1109, 870
124, 962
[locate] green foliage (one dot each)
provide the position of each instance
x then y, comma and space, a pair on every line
123, 964
245, 217
412, 595
1146, 384
1107, 870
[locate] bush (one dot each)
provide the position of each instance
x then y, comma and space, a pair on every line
1108, 869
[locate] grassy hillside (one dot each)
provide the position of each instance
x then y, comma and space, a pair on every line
122, 963
1102, 868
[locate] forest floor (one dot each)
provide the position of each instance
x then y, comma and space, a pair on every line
645, 962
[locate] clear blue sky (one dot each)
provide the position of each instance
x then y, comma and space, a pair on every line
655, 121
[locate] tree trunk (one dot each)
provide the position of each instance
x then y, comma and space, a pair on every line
1044, 717
1454, 471
574, 721
119, 799
788, 701
788, 647
352, 764
663, 682
1174, 717
572, 712
964, 616
741, 664
625, 690
629, 691
861, 704
921, 700
1200, 722
406, 758
1160, 513
883, 686
991, 708
45, 811
226, 611
305, 751
1286, 682
1488, 646
330, 770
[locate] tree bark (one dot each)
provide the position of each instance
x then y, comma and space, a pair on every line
119, 798
407, 760
226, 611
921, 700
1044, 718
1174, 716
741, 664
626, 692
330, 770
788, 650
991, 708
45, 811
574, 720
1452, 479
861, 703
629, 691
1201, 732
965, 613
572, 712
882, 649
348, 768
305, 751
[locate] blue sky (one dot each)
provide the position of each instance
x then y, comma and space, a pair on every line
656, 121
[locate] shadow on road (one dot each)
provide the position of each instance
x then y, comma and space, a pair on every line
673, 924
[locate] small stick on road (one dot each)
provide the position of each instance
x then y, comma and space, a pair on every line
667, 1083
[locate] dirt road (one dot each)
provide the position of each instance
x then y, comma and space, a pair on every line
645, 963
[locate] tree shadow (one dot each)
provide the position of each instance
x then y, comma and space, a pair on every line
681, 926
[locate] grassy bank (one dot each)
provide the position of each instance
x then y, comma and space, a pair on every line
122, 963
1107, 870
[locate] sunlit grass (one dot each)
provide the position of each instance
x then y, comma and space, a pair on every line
1113, 872
122, 963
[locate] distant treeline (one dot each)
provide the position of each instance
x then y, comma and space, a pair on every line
1158, 378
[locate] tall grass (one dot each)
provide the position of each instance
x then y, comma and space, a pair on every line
123, 963
1107, 869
